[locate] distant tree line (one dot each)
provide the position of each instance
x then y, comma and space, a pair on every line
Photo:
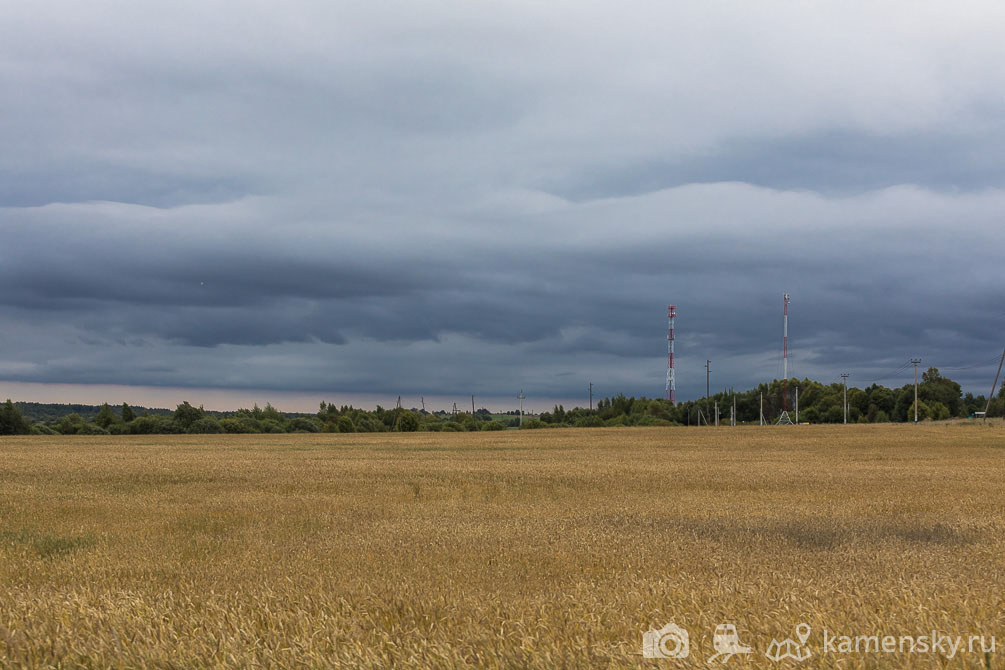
939, 398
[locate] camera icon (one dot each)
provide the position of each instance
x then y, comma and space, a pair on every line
671, 641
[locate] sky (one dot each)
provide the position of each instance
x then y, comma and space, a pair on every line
320, 200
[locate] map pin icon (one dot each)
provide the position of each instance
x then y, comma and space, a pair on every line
803, 631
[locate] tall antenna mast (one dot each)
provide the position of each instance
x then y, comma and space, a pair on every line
671, 391
784, 418
785, 353
521, 397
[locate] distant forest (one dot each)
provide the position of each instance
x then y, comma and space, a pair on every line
939, 398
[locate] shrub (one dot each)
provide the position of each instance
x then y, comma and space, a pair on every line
408, 422
205, 425
368, 424
939, 412
91, 429
345, 425
650, 420
238, 426
151, 425
251, 425
70, 424
303, 425
144, 425
272, 426
532, 424
493, 425
592, 421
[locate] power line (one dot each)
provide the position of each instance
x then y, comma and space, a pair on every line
887, 375
907, 365
986, 363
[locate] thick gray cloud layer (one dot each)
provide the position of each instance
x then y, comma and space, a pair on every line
459, 197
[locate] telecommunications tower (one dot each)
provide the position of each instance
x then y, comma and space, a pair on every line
784, 418
671, 392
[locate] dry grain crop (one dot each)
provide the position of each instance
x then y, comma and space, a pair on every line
529, 549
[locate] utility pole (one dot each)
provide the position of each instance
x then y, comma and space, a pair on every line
797, 403
423, 403
762, 408
716, 413
993, 387
915, 361
521, 397
844, 380
591, 396
472, 407
707, 363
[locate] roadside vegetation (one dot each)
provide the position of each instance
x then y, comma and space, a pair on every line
939, 397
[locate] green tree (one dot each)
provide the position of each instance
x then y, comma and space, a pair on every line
127, 413
185, 415
924, 411
882, 398
408, 422
71, 424
935, 388
270, 413
939, 412
12, 422
105, 417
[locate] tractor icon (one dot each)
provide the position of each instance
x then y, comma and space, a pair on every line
726, 643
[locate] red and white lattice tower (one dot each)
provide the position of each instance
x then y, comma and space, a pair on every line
671, 392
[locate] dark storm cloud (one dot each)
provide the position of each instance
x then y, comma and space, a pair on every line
482, 199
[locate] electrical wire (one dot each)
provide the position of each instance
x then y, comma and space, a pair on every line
892, 373
994, 359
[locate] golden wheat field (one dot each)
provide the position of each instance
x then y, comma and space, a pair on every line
518, 549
